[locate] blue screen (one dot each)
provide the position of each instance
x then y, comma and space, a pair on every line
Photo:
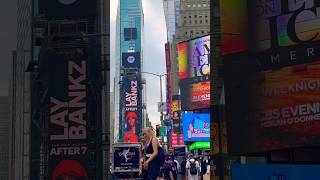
196, 127
274, 172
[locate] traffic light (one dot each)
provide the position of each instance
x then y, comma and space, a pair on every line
158, 130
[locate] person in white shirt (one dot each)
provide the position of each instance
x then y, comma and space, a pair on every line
192, 169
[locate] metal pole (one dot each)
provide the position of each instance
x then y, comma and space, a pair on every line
161, 104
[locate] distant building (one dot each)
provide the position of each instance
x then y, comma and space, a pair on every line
192, 19
4, 137
129, 60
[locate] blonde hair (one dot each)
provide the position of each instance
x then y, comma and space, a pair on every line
149, 130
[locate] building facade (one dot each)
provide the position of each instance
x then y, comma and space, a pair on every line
128, 80
185, 19
71, 31
4, 137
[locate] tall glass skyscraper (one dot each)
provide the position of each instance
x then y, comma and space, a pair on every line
128, 82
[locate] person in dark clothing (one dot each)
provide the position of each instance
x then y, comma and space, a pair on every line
168, 170
152, 162
183, 166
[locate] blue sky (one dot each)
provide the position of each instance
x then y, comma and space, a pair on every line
154, 52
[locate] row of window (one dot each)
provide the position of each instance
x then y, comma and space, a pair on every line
196, 32
197, 5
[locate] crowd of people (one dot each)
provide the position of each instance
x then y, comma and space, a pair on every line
157, 166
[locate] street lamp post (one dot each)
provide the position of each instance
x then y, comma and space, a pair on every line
161, 97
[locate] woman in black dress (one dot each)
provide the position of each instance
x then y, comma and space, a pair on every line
152, 163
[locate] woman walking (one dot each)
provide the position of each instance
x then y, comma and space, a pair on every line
152, 161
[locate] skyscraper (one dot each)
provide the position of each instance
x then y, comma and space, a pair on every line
128, 80
4, 136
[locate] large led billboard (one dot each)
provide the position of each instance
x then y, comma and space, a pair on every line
194, 73
196, 127
275, 109
132, 109
282, 51
234, 26
69, 147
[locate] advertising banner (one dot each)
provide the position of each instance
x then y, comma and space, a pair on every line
199, 145
68, 9
195, 94
194, 73
168, 88
282, 109
68, 123
196, 127
126, 158
234, 26
132, 109
274, 172
131, 60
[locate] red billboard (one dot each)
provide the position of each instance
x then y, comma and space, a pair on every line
276, 109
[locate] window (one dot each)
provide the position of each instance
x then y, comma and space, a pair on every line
185, 17
204, 5
196, 22
194, 5
191, 32
202, 32
188, 5
130, 34
200, 21
195, 16
206, 20
199, 5
190, 17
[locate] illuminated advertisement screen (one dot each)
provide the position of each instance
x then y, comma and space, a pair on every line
274, 171
194, 73
281, 109
168, 88
195, 95
126, 158
233, 26
70, 150
277, 23
131, 60
132, 109
196, 127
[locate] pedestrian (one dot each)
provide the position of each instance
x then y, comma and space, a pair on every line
168, 170
153, 159
205, 168
183, 167
192, 169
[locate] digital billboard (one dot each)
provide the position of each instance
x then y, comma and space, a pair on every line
281, 108
194, 73
70, 150
68, 9
274, 171
132, 109
234, 26
196, 127
195, 95
131, 60
168, 88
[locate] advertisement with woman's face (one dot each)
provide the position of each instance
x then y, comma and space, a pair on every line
196, 127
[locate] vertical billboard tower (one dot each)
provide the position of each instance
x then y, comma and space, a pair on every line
129, 64
66, 90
